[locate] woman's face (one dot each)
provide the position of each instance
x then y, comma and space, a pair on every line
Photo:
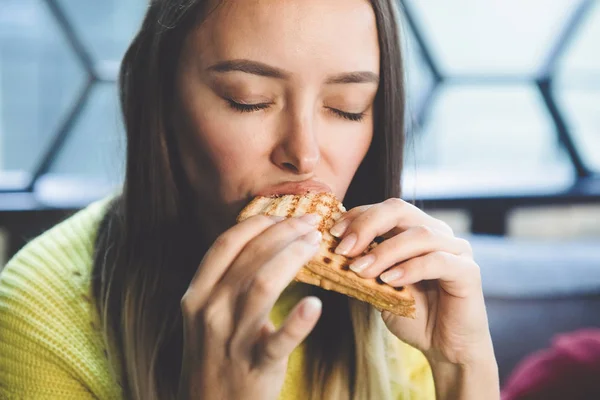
274, 91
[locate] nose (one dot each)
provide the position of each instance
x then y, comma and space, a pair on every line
298, 150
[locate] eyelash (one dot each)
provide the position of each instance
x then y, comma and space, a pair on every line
247, 108
355, 117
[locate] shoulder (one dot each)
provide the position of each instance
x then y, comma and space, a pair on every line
54, 266
49, 329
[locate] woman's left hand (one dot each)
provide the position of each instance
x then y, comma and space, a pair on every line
451, 325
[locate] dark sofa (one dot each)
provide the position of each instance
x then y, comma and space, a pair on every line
535, 290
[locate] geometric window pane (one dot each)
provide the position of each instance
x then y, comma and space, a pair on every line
580, 63
95, 148
418, 76
106, 28
487, 140
491, 37
577, 87
582, 111
40, 80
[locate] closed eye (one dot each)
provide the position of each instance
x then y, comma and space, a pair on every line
246, 108
357, 117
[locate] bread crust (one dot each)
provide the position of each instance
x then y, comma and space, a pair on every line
326, 269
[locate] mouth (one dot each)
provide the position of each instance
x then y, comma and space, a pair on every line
302, 187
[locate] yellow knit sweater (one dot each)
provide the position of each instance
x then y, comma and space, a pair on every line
50, 343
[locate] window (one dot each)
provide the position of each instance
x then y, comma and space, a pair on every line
503, 96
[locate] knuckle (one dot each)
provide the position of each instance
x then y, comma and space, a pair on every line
358, 210
440, 258
262, 219
395, 202
223, 242
294, 330
445, 227
466, 245
271, 353
262, 285
296, 251
257, 247
423, 231
187, 304
295, 224
474, 270
211, 318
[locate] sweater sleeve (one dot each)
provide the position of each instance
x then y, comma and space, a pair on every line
50, 345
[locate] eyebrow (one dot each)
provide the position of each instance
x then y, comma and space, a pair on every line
249, 67
261, 69
354, 77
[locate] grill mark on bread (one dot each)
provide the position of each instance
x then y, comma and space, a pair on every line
271, 208
291, 211
334, 274
312, 207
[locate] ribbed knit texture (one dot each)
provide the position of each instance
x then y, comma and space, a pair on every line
51, 345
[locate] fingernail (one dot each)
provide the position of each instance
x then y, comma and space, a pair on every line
362, 263
392, 275
277, 218
338, 229
312, 219
311, 307
347, 244
313, 238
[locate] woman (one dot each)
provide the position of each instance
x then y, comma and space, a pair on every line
223, 100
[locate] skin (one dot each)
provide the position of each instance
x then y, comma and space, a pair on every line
275, 91
301, 133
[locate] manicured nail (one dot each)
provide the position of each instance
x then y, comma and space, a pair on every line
360, 264
347, 244
277, 218
340, 228
312, 219
392, 275
311, 307
313, 238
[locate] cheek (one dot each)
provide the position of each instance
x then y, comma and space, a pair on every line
346, 152
234, 152
224, 143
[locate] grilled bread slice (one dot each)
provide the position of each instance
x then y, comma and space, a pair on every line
328, 270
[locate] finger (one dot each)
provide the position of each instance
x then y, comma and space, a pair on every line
220, 298
458, 275
262, 248
220, 255
342, 224
294, 330
267, 285
392, 214
224, 309
413, 242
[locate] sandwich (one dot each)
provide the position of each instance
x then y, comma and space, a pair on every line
326, 269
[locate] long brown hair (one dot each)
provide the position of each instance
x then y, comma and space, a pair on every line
147, 249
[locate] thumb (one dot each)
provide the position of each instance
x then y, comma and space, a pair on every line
301, 321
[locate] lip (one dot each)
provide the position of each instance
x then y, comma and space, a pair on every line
290, 187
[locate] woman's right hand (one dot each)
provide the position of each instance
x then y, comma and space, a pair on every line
231, 349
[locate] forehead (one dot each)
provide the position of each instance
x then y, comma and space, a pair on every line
292, 34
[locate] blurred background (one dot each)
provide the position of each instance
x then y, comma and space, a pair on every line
503, 139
